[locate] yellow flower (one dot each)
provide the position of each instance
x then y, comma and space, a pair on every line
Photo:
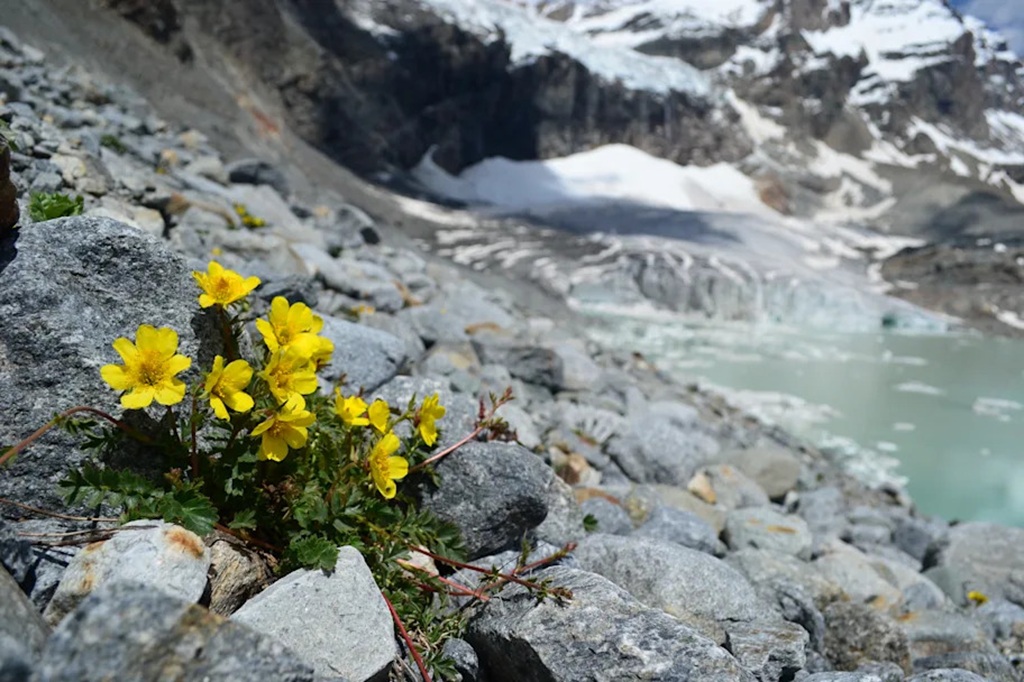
322, 352
287, 324
385, 468
289, 373
350, 410
225, 387
379, 413
284, 429
430, 412
978, 598
222, 286
149, 369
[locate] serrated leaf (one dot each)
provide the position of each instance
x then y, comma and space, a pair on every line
244, 520
313, 551
190, 509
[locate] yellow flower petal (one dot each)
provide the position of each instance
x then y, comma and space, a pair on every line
116, 377
239, 402
398, 467
218, 408
126, 349
139, 398
379, 413
170, 393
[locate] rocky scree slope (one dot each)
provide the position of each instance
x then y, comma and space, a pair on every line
724, 550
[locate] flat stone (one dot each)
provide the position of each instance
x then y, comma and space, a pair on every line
764, 528
336, 622
602, 633
691, 585
130, 631
162, 555
730, 488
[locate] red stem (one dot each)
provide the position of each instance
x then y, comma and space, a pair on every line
408, 640
63, 415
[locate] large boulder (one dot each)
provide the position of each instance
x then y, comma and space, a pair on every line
602, 633
68, 288
984, 557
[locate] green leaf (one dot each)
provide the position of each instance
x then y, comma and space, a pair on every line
244, 520
43, 206
590, 523
189, 508
314, 551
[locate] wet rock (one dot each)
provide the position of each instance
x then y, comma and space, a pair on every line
162, 555
772, 651
70, 287
688, 584
491, 517
774, 469
763, 528
129, 631
857, 634
666, 524
336, 622
602, 633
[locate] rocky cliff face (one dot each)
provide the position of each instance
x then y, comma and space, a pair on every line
376, 85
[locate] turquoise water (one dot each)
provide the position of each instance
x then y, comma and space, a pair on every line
945, 412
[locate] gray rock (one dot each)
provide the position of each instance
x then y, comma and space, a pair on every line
992, 667
824, 511
15, 662
727, 487
933, 633
666, 524
68, 289
773, 651
1001, 619
414, 347
363, 281
456, 308
532, 364
886, 672
989, 557
914, 535
774, 469
461, 653
460, 411
763, 528
162, 555
256, 172
564, 522
493, 492
36, 568
688, 584
367, 358
22, 631
841, 677
946, 675
853, 570
128, 631
336, 622
665, 443
856, 634
236, 574
611, 518
602, 633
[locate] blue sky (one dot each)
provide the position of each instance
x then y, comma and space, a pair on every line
1005, 15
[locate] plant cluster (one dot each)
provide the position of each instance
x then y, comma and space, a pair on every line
248, 219
254, 449
43, 206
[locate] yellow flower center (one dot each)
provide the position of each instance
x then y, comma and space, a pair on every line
152, 369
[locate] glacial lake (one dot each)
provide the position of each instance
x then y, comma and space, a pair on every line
944, 412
